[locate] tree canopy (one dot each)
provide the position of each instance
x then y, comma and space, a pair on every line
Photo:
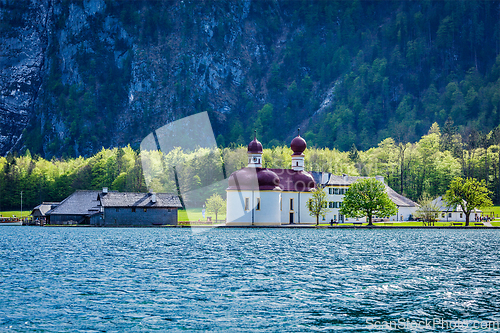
413, 169
215, 204
367, 198
468, 193
317, 203
428, 210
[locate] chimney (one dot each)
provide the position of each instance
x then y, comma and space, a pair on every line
344, 177
104, 190
153, 198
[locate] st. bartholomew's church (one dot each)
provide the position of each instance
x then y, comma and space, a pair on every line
262, 196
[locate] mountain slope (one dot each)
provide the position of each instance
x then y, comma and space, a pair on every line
78, 75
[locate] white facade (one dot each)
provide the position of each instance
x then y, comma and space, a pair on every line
284, 207
293, 208
247, 208
259, 196
450, 214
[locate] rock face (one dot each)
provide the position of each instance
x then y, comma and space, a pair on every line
23, 40
78, 75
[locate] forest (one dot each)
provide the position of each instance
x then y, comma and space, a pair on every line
425, 167
344, 71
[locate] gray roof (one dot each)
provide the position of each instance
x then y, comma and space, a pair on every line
320, 177
328, 179
78, 203
343, 180
443, 207
400, 200
44, 207
142, 200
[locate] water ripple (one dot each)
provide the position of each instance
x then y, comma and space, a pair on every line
240, 280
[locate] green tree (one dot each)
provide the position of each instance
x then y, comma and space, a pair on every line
428, 210
367, 197
215, 204
317, 203
468, 193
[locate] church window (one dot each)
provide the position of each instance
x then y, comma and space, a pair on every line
291, 203
258, 204
247, 203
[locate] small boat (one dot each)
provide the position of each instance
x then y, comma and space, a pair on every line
10, 221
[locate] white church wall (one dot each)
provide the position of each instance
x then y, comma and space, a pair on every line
235, 211
268, 213
300, 211
253, 208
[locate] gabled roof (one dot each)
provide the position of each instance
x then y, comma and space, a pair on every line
398, 199
321, 177
443, 207
78, 203
142, 200
44, 207
342, 180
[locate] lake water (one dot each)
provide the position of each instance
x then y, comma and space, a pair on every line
248, 280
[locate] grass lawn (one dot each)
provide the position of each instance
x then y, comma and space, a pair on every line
194, 214
15, 213
493, 210
408, 224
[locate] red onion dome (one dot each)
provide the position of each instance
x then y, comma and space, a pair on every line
253, 179
298, 145
268, 180
255, 147
303, 181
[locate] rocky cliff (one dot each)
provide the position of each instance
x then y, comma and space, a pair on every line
84, 74
22, 56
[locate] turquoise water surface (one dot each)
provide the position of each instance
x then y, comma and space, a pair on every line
248, 280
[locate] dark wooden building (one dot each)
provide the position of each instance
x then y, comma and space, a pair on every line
39, 213
138, 209
81, 207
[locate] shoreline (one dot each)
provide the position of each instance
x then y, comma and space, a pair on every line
285, 226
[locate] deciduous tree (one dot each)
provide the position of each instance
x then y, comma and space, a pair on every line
367, 197
215, 204
428, 210
317, 203
468, 193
